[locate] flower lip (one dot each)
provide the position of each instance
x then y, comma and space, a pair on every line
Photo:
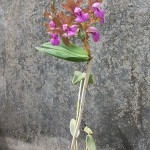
55, 41
81, 17
96, 7
70, 31
95, 33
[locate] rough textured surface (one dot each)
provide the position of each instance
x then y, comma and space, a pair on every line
37, 99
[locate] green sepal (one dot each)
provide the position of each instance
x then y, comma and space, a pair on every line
90, 143
88, 130
72, 52
78, 76
81, 35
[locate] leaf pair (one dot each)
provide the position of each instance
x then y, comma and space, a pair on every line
78, 76
90, 143
71, 53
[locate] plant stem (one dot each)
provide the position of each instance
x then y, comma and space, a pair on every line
85, 86
78, 109
79, 99
76, 145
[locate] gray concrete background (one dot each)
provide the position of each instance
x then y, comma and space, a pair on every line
37, 99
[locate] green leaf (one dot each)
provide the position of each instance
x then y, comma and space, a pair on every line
73, 127
91, 79
90, 143
78, 76
88, 130
71, 53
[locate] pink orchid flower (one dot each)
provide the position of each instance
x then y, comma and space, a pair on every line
95, 33
70, 31
81, 17
98, 11
55, 41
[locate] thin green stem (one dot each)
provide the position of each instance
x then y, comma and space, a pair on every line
79, 99
78, 109
76, 145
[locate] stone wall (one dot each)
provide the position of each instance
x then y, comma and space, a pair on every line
37, 99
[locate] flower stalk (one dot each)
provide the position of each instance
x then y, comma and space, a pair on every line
84, 90
79, 99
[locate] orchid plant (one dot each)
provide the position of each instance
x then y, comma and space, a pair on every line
76, 21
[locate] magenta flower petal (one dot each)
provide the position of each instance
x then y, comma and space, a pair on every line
73, 30
54, 39
95, 33
65, 27
81, 17
70, 31
52, 24
100, 14
96, 36
98, 11
96, 5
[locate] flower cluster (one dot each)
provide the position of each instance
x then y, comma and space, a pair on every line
78, 21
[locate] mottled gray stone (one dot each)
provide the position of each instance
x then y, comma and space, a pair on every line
37, 99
